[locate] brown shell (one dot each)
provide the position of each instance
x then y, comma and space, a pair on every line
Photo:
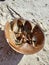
25, 48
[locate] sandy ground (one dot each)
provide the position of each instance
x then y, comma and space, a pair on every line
28, 9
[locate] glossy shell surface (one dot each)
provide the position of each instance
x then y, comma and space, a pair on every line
25, 48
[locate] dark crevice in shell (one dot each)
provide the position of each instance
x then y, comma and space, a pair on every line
29, 41
11, 24
27, 26
19, 23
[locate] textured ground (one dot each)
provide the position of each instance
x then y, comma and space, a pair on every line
28, 9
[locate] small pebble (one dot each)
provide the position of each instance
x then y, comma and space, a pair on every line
44, 49
37, 59
13, 0
46, 4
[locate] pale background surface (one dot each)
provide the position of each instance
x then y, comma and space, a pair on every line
28, 9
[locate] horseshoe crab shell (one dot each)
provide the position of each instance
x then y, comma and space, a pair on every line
25, 48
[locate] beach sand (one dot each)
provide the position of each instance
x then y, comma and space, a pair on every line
33, 10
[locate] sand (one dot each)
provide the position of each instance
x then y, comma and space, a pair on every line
37, 10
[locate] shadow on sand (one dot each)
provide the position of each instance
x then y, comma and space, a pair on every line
7, 55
